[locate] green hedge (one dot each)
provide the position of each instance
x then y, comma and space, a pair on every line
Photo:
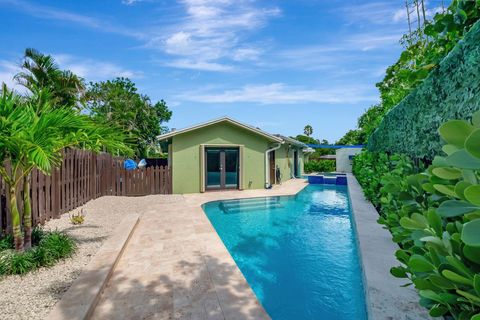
319, 166
434, 217
452, 91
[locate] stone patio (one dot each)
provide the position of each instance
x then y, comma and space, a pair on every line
176, 267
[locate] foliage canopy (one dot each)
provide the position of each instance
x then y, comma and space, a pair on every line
118, 103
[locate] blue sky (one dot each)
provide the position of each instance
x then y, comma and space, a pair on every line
278, 65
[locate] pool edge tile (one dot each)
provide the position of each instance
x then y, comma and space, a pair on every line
385, 297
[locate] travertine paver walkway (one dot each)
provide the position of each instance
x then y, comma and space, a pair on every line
176, 267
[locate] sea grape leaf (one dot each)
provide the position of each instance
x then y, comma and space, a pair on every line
471, 233
472, 194
455, 132
472, 144
453, 208
447, 173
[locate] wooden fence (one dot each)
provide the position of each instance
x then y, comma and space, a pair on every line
84, 176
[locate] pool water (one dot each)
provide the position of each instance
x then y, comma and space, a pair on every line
298, 253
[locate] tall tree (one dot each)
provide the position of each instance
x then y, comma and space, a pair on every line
41, 73
32, 135
308, 130
118, 103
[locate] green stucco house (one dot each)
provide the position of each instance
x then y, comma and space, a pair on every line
227, 154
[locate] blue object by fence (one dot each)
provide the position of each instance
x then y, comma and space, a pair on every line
142, 163
129, 164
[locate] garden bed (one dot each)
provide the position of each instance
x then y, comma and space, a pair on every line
34, 294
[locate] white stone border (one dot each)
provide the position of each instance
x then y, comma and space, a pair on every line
385, 298
82, 297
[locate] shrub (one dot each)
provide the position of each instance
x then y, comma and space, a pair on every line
6, 242
450, 91
319, 166
434, 216
49, 247
78, 218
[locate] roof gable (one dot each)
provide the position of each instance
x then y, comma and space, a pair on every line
220, 120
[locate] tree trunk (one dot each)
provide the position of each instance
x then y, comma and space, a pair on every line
16, 228
27, 213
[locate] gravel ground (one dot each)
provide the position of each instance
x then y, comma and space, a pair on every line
33, 295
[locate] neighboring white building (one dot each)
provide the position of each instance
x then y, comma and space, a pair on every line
344, 158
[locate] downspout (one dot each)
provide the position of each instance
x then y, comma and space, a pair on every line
267, 164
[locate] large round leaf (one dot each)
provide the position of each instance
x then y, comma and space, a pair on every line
439, 161
441, 282
460, 188
447, 173
463, 159
418, 263
438, 311
435, 221
476, 283
472, 194
472, 144
476, 119
453, 208
455, 277
399, 272
445, 189
472, 253
411, 224
471, 233
449, 149
455, 132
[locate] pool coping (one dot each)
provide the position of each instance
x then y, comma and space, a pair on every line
384, 294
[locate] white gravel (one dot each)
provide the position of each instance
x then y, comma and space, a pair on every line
33, 295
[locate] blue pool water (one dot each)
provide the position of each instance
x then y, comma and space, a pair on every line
298, 253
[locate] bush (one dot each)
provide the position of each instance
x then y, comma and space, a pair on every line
319, 166
49, 247
451, 91
434, 216
78, 218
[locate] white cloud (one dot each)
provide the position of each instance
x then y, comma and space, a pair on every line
7, 70
209, 35
400, 15
50, 13
212, 33
90, 70
198, 65
130, 2
93, 70
369, 41
280, 93
243, 54
382, 12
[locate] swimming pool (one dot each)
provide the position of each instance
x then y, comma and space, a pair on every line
298, 253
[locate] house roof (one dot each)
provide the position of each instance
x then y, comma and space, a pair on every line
219, 120
328, 157
292, 141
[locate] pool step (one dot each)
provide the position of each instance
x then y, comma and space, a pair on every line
236, 206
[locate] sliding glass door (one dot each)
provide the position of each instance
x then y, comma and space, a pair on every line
221, 168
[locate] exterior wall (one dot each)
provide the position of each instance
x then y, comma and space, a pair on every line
186, 174
303, 158
284, 160
344, 164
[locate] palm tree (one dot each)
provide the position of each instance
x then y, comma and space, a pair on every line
40, 72
32, 135
308, 130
